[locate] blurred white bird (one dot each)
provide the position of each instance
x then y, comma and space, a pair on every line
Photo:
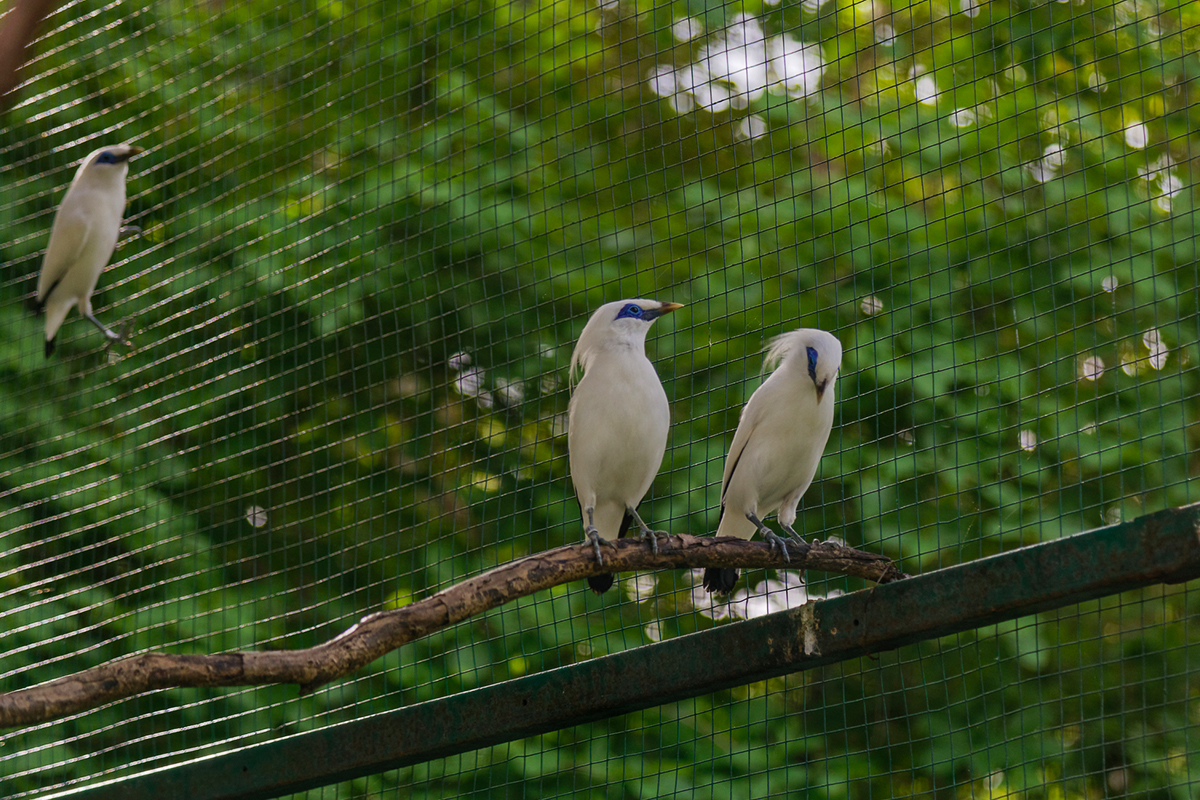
778, 444
85, 232
617, 422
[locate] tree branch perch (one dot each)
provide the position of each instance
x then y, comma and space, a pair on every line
379, 633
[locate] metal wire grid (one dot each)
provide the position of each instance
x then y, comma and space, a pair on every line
275, 416
1034, 708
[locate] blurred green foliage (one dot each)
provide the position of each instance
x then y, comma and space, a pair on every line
372, 234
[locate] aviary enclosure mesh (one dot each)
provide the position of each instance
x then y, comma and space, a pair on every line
371, 234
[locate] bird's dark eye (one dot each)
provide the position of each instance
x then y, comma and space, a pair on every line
106, 158
631, 310
812, 362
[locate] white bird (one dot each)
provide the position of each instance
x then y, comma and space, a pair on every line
778, 444
617, 422
85, 232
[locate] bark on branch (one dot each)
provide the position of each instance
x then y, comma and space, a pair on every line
381, 632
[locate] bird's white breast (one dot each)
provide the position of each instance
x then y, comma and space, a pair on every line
619, 419
789, 430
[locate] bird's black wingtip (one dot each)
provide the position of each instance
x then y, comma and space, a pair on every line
719, 580
49, 347
600, 583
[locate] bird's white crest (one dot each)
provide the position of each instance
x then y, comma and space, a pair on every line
85, 232
607, 330
828, 348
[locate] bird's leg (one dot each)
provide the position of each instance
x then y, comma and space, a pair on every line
112, 335
646, 532
799, 540
770, 536
595, 538
125, 329
128, 231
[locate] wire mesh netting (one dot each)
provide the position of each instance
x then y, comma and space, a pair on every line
371, 234
1004, 712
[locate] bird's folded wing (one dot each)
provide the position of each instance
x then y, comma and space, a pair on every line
751, 416
67, 242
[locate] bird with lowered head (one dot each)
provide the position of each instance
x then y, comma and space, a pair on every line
778, 444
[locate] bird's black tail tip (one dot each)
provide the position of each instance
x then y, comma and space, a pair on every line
719, 580
49, 347
600, 583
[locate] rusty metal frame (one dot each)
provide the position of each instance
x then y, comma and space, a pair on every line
1159, 548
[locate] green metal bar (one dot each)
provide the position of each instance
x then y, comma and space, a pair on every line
1159, 548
